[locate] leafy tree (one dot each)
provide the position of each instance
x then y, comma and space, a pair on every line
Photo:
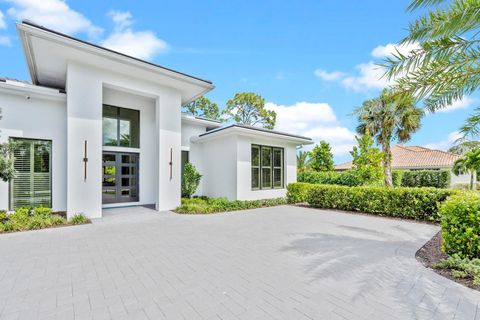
446, 66
464, 146
303, 161
367, 160
249, 108
7, 169
321, 157
191, 180
203, 107
389, 117
470, 163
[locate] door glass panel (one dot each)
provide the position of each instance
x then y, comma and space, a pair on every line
120, 177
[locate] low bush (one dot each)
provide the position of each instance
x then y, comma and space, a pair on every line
34, 218
343, 178
409, 203
211, 205
462, 267
461, 225
397, 176
426, 178
79, 219
297, 192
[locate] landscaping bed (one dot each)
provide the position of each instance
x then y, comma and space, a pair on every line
431, 255
204, 205
23, 219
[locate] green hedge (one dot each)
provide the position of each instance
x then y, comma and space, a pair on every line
426, 178
409, 203
298, 192
203, 205
397, 176
343, 178
461, 225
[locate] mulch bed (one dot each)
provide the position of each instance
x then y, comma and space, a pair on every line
431, 254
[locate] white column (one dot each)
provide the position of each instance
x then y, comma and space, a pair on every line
84, 123
168, 128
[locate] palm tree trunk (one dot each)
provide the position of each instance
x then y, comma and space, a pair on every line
387, 164
473, 178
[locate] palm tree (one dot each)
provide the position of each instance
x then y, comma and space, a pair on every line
470, 163
389, 117
303, 161
464, 146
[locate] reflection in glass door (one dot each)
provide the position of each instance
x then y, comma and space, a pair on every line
120, 177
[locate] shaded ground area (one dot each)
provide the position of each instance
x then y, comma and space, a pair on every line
272, 263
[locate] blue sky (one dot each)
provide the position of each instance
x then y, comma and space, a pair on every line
313, 61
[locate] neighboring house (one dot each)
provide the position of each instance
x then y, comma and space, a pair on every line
99, 129
420, 158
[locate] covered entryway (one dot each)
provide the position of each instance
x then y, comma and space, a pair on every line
120, 177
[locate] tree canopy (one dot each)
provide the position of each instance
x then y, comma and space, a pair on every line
303, 160
203, 107
321, 157
367, 160
249, 108
469, 163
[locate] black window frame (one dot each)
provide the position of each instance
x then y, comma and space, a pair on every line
118, 118
271, 167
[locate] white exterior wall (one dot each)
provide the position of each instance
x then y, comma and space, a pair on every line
37, 118
219, 168
244, 172
195, 155
463, 178
84, 112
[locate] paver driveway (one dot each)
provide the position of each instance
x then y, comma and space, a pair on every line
273, 263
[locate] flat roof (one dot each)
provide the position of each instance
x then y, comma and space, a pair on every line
263, 130
33, 24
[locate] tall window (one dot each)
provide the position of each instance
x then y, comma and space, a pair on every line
267, 167
32, 185
121, 127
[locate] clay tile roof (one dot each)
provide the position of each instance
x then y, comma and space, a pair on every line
415, 157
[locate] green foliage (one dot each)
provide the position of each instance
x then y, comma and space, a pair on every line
203, 107
3, 215
7, 169
303, 161
321, 157
461, 225
409, 203
298, 192
79, 219
426, 178
211, 205
42, 211
464, 146
444, 67
191, 180
367, 160
465, 186
343, 178
249, 108
469, 163
397, 176
462, 267
389, 117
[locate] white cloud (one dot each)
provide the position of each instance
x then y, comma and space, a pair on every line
140, 44
55, 14
315, 120
392, 48
3, 24
370, 76
329, 76
446, 143
458, 104
5, 41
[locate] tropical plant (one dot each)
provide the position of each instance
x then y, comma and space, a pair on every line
190, 181
389, 117
7, 160
321, 157
303, 161
464, 146
469, 163
249, 108
367, 160
203, 107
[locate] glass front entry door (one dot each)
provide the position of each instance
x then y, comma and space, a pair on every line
120, 177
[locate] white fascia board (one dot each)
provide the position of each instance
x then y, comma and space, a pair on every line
29, 90
199, 121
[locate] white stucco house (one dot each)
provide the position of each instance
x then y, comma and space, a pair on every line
97, 129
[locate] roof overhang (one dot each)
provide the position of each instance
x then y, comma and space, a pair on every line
237, 129
47, 53
187, 118
30, 91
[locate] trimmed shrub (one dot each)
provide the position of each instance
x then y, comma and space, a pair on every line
297, 192
461, 225
343, 178
211, 205
409, 203
426, 178
397, 176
